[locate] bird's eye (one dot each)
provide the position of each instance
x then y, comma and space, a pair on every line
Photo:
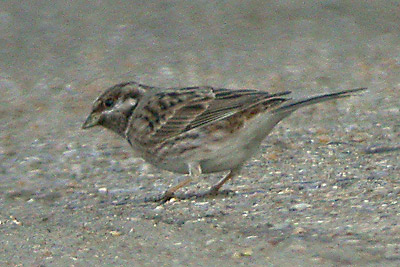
109, 102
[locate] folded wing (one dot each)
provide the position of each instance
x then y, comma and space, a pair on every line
172, 112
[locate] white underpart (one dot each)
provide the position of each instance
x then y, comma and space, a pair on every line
229, 154
241, 147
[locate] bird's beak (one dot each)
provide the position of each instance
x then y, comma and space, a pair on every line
91, 121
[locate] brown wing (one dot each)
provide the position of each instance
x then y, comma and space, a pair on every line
171, 112
228, 102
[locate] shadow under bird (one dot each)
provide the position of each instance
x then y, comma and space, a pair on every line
195, 130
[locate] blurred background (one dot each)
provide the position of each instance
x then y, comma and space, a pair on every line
56, 57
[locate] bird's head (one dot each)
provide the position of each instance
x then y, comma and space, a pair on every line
113, 108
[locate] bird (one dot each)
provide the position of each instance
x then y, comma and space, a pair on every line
195, 130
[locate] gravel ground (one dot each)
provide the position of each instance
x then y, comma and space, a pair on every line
323, 191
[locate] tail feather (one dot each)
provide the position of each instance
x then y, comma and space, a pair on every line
292, 106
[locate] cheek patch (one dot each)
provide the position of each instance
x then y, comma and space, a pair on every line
124, 106
132, 102
128, 103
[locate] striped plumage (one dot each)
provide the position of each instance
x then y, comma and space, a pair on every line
195, 130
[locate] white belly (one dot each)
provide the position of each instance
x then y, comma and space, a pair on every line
231, 153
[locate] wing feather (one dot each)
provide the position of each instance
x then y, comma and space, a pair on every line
171, 112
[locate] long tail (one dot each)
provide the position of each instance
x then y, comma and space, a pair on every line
292, 106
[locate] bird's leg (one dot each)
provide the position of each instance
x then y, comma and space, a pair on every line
194, 173
215, 188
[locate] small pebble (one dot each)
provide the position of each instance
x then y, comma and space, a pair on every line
103, 190
115, 233
300, 206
